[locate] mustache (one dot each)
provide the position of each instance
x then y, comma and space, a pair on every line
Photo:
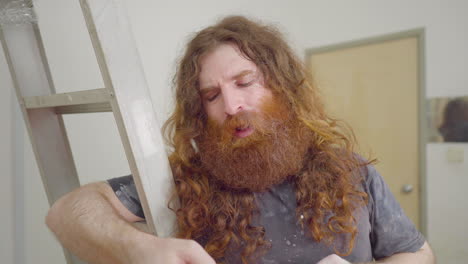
263, 123
240, 121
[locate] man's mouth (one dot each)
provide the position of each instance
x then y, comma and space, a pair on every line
242, 132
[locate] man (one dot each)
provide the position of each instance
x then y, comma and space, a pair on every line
263, 174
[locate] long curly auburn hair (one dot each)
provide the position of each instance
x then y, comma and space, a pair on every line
328, 183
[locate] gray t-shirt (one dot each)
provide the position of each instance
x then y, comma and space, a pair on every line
383, 227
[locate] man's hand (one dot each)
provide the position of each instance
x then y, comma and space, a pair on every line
153, 250
333, 259
96, 227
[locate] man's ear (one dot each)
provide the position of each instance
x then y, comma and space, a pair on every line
194, 145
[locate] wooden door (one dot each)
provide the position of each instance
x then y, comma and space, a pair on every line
375, 88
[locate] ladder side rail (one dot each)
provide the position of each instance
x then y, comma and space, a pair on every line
29, 77
140, 133
29, 70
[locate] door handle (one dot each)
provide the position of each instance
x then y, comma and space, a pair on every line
407, 188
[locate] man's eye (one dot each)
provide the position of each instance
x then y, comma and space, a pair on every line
211, 97
244, 84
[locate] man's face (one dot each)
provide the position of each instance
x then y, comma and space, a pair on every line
252, 140
230, 84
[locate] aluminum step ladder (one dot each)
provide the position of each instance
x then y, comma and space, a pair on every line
125, 94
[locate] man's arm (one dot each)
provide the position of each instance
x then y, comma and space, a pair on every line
422, 256
92, 223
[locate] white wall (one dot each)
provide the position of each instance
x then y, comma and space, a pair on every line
161, 28
6, 165
447, 202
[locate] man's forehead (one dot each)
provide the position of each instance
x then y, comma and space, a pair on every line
226, 62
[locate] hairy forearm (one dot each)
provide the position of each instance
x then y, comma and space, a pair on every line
422, 256
86, 224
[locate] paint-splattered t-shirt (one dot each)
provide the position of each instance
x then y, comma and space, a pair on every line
383, 227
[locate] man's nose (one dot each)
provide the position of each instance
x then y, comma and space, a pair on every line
233, 102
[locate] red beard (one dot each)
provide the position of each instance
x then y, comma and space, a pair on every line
274, 151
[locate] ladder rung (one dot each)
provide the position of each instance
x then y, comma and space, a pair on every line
88, 97
86, 108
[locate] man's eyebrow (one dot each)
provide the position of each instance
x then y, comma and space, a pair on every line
204, 90
242, 73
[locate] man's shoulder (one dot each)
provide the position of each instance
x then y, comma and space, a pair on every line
366, 172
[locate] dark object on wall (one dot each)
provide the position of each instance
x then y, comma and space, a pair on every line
454, 127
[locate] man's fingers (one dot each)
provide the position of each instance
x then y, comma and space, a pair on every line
195, 254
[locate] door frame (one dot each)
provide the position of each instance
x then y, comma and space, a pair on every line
419, 34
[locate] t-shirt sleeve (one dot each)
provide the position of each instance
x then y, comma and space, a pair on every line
391, 230
124, 188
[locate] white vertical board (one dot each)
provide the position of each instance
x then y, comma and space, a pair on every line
123, 75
